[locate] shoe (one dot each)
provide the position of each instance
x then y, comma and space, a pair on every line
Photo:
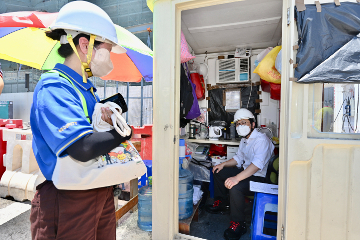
218, 206
235, 231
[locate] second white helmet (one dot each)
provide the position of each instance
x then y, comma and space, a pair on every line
243, 113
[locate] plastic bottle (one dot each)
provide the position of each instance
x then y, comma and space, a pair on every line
273, 129
145, 207
186, 192
232, 131
186, 189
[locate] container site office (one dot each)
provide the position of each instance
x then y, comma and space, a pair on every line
319, 182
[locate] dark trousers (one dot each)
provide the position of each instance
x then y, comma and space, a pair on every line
70, 214
237, 193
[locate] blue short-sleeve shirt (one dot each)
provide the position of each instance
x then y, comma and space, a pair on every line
57, 117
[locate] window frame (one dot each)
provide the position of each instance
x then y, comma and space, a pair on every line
315, 104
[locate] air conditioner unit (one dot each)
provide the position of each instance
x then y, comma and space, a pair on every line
233, 70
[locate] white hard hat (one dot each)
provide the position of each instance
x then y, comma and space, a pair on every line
243, 113
84, 17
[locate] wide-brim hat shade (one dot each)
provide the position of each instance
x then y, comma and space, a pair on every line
31, 47
88, 18
24, 41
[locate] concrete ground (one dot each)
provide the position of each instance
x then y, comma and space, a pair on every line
15, 224
127, 227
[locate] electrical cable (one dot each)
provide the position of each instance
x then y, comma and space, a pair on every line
340, 109
343, 123
345, 117
348, 119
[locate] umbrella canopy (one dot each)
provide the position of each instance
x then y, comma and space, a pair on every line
136, 63
31, 47
27, 19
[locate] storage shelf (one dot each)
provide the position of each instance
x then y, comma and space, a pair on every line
207, 141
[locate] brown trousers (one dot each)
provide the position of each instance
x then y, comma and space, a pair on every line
70, 214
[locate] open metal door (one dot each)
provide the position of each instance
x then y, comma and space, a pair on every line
319, 185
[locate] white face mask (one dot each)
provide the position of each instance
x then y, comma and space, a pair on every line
243, 130
101, 65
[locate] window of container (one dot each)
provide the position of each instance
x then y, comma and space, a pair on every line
334, 110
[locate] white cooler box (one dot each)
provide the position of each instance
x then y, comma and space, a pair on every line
231, 151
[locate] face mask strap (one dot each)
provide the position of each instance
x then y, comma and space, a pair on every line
84, 65
251, 130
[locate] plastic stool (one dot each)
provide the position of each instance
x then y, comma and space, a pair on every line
264, 203
143, 179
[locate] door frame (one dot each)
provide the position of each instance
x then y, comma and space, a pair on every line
166, 100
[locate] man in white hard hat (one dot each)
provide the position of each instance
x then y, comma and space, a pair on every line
63, 104
233, 176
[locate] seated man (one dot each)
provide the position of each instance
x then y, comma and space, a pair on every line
233, 176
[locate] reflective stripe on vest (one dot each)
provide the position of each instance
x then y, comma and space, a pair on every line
83, 101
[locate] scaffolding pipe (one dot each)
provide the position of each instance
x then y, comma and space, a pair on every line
104, 89
142, 101
127, 101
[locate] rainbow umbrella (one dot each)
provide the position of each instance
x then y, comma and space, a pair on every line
27, 19
29, 45
136, 63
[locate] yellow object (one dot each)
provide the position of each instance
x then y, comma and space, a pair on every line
266, 68
17, 50
275, 140
150, 4
121, 156
84, 65
324, 119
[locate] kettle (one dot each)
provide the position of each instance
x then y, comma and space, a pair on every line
215, 132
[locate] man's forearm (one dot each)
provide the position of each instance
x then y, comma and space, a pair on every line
230, 163
249, 171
